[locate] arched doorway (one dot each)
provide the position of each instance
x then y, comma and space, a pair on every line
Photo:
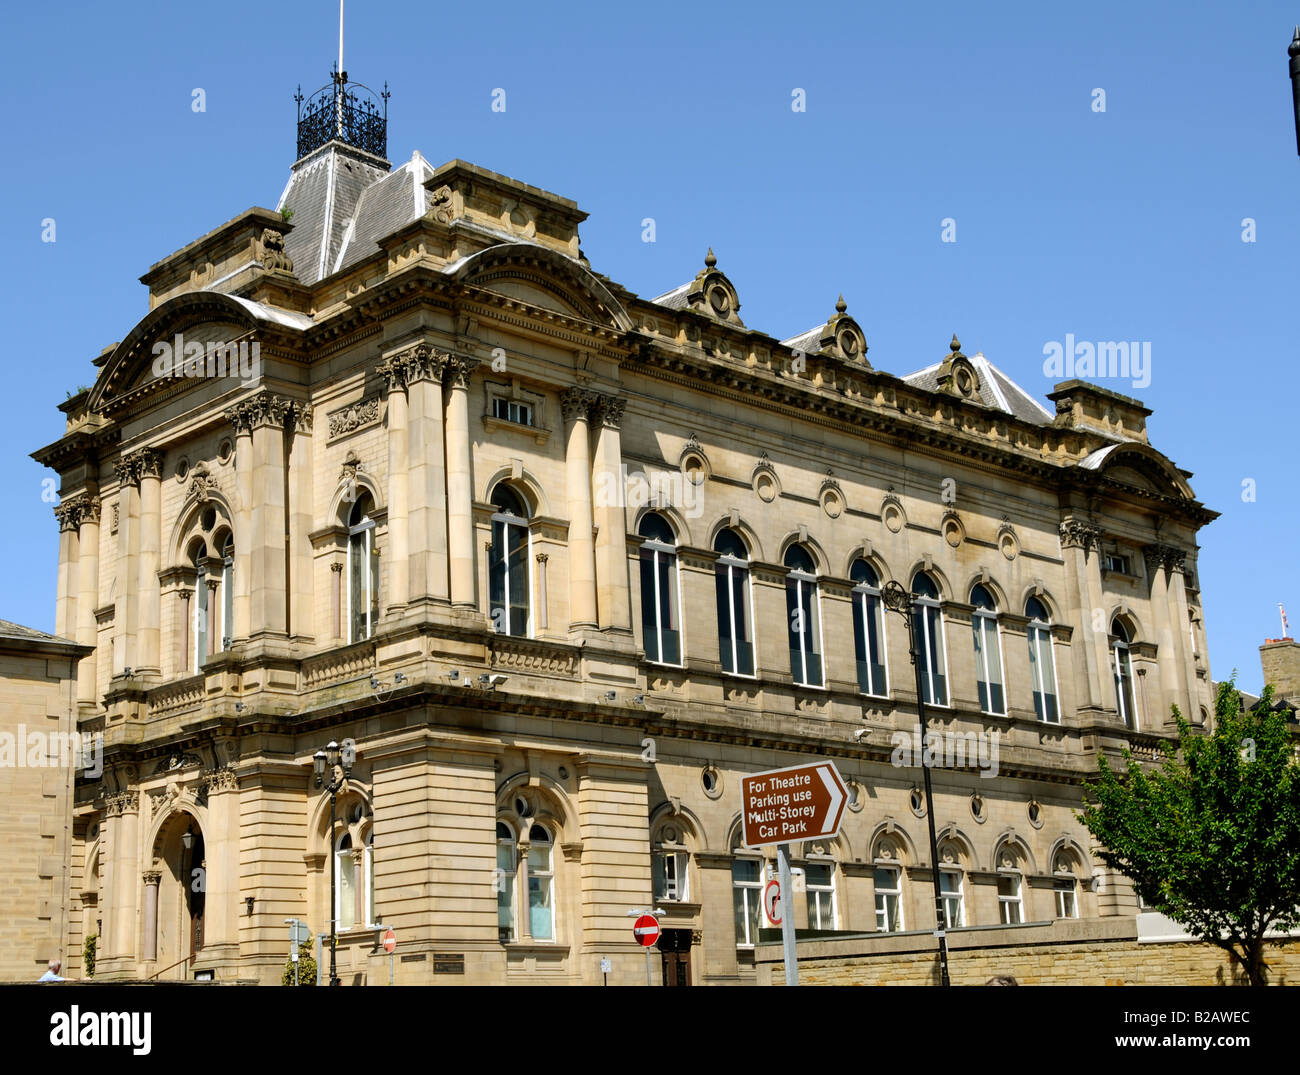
180, 873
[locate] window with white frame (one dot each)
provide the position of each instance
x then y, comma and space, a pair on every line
1011, 908
889, 899
803, 619
868, 630
511, 410
1067, 900
819, 878
541, 884
508, 568
988, 651
660, 604
345, 883
929, 641
735, 637
950, 892
363, 571
227, 593
201, 596
747, 898
669, 873
1126, 699
506, 879
1042, 667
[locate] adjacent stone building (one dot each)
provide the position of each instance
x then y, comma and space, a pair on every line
393, 463
40, 754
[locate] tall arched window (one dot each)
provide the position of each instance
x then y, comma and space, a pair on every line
659, 602
345, 880
868, 629
732, 576
541, 884
507, 867
363, 571
508, 574
929, 640
370, 878
227, 592
200, 614
988, 652
1123, 672
803, 621
1042, 667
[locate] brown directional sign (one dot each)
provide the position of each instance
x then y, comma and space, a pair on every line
801, 803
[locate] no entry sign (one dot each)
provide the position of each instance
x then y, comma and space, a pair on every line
804, 802
646, 930
390, 941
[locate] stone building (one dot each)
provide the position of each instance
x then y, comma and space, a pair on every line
394, 464
40, 751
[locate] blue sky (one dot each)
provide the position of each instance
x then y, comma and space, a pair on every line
1122, 225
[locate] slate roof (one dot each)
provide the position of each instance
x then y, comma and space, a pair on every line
676, 298
16, 632
806, 341
323, 191
997, 391
383, 207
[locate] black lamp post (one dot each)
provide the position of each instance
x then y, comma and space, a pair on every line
899, 600
333, 758
1293, 51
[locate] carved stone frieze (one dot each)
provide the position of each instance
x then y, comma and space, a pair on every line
360, 415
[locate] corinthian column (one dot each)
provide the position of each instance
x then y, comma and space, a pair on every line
460, 483
1170, 630
1081, 548
575, 405
149, 611
614, 599
65, 602
302, 609
426, 474
149, 942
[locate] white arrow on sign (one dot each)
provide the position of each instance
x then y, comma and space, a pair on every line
833, 787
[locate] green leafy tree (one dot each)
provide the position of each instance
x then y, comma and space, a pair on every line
88, 954
306, 967
1211, 838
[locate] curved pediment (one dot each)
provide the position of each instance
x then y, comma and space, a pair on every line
198, 335
545, 279
1139, 467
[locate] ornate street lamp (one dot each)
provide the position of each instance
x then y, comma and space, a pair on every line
898, 600
333, 758
1294, 52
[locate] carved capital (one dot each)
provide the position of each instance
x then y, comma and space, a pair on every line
1076, 533
67, 513
127, 472
459, 370
576, 403
424, 363
152, 877
223, 779
1169, 557
608, 410
143, 463
300, 417
262, 410
127, 802
393, 371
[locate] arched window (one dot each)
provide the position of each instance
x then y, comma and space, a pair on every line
889, 898
227, 592
541, 884
951, 886
201, 595
868, 629
370, 878
929, 641
660, 609
1065, 886
988, 652
803, 621
507, 868
670, 864
732, 576
363, 571
746, 896
1042, 667
508, 574
345, 881
1123, 672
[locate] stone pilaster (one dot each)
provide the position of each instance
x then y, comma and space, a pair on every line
393, 370
1089, 659
460, 484
126, 600
148, 464
87, 595
426, 475
575, 404
612, 590
301, 622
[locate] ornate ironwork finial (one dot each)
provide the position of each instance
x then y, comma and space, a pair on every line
346, 112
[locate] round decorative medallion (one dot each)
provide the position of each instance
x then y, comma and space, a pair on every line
832, 503
694, 468
711, 782
225, 450
1035, 812
916, 802
977, 810
765, 487
182, 468
893, 517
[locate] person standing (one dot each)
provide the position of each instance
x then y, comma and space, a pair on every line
52, 975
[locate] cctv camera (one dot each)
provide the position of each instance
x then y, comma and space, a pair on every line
492, 679
610, 695
861, 734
